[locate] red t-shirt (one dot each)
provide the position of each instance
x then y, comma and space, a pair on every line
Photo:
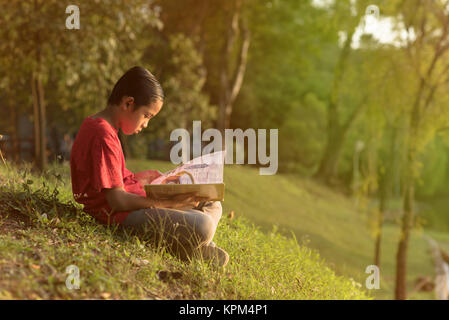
97, 162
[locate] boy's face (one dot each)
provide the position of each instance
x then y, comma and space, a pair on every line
134, 121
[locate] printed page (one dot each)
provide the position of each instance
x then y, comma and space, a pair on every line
206, 169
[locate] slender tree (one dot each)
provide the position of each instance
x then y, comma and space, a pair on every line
427, 24
231, 79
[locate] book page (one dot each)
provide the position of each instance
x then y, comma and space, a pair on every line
206, 169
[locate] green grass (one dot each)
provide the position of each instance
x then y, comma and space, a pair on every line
265, 263
435, 213
324, 220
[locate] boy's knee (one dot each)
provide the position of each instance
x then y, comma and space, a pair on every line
214, 209
204, 228
216, 205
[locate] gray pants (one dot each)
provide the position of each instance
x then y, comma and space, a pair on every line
181, 231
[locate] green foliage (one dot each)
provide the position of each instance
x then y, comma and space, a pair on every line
182, 78
434, 175
79, 67
305, 154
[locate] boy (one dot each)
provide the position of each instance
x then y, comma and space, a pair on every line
114, 195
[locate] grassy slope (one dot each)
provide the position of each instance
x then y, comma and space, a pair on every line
34, 251
324, 220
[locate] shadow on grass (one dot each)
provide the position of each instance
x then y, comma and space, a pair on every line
25, 209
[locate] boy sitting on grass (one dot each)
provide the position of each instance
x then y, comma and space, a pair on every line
114, 195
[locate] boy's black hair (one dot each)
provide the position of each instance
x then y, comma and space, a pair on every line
138, 83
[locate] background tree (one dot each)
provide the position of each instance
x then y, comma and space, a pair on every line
179, 67
222, 37
427, 24
38, 41
347, 15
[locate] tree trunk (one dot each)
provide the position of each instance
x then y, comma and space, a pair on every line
378, 245
380, 219
230, 89
40, 139
329, 162
386, 181
14, 122
409, 195
42, 126
401, 257
39, 122
35, 121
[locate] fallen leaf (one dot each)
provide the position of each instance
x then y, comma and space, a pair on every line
35, 266
105, 295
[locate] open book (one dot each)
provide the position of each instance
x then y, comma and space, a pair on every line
202, 175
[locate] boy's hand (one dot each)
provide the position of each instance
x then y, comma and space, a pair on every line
181, 201
145, 177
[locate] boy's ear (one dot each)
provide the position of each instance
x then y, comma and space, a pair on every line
127, 102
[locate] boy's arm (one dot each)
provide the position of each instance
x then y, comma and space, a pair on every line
145, 177
120, 200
